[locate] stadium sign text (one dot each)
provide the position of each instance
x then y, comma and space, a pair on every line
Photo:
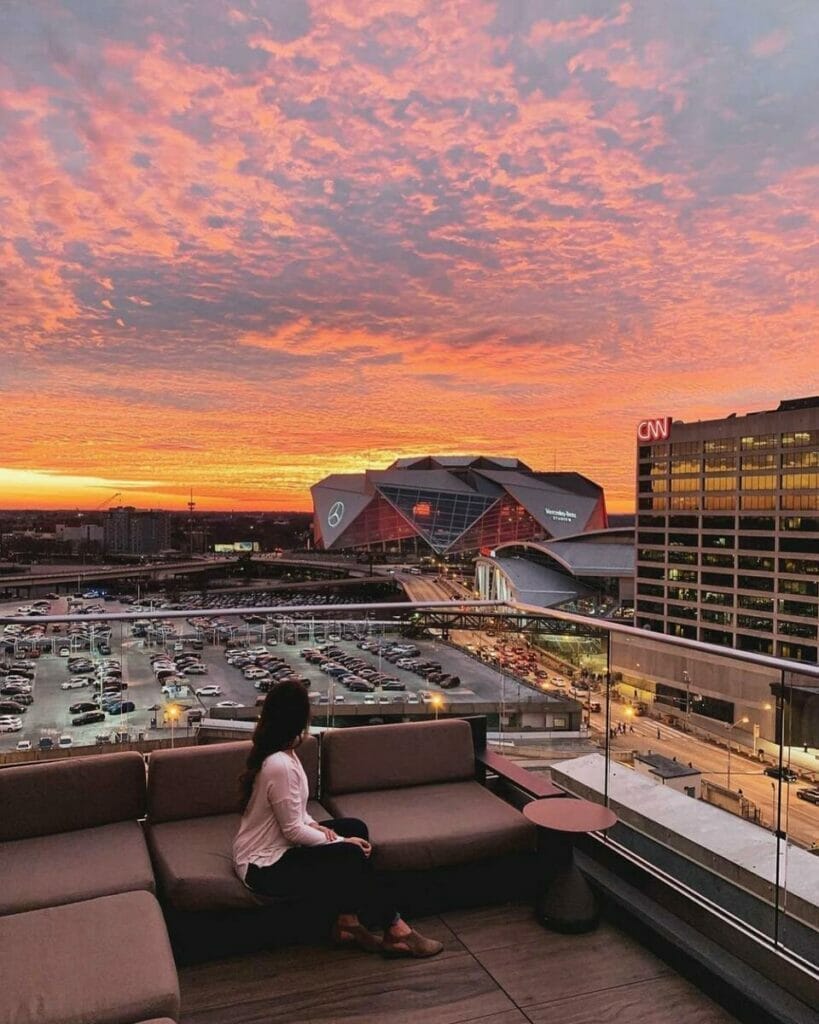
560, 515
654, 430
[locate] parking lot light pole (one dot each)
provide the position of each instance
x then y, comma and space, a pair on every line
739, 721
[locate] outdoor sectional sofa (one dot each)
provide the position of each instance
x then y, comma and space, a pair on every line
87, 843
82, 936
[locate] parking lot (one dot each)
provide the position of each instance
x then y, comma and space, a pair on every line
49, 716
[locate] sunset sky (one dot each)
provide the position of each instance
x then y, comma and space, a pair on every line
248, 244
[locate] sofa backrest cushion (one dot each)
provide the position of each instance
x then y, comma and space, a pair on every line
192, 782
79, 792
389, 756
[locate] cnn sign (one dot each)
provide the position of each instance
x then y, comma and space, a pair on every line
654, 430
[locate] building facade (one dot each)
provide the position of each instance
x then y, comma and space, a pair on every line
449, 505
727, 538
131, 531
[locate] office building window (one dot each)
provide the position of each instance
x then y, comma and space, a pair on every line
754, 603
648, 572
757, 523
799, 566
649, 606
718, 523
759, 441
803, 608
800, 439
681, 594
650, 589
682, 629
757, 502
685, 484
767, 461
716, 597
650, 555
682, 576
755, 622
718, 445
685, 448
759, 482
720, 618
680, 503
755, 582
718, 540
801, 545
805, 630
715, 636
682, 557
796, 652
713, 502
649, 537
718, 559
800, 481
806, 588
759, 644
720, 483
720, 463
797, 502
756, 563
809, 524
683, 522
800, 460
718, 579
751, 543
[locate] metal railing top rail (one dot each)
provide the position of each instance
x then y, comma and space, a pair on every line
310, 610
343, 611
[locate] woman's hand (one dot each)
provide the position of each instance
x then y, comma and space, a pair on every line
328, 833
365, 846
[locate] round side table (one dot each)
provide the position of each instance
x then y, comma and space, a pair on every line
567, 903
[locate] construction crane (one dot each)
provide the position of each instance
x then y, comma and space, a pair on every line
107, 501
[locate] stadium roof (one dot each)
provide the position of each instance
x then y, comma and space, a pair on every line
454, 502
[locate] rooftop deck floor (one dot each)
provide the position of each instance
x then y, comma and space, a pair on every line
499, 967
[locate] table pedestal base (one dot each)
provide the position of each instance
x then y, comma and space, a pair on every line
567, 903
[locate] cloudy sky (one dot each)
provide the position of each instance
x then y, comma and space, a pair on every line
247, 244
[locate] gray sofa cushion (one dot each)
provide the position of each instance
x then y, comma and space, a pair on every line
106, 961
78, 793
192, 782
194, 862
370, 757
437, 825
46, 871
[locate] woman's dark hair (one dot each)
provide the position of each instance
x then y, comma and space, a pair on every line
285, 716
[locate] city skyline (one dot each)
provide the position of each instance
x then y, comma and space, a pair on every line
246, 246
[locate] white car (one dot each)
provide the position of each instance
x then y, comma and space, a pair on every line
65, 741
228, 704
195, 670
8, 724
73, 684
369, 700
208, 691
23, 745
64, 652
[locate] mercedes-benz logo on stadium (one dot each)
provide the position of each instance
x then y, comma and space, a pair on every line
336, 514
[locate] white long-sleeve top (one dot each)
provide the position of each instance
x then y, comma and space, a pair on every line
276, 817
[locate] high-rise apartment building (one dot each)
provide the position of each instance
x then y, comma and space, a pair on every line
728, 529
130, 531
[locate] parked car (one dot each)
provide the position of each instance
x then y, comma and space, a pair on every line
810, 795
45, 743
233, 703
88, 718
65, 741
81, 706
64, 652
195, 669
123, 708
208, 691
11, 707
9, 724
785, 774
23, 745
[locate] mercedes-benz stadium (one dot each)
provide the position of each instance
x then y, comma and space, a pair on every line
449, 505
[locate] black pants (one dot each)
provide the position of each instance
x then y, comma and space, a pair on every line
337, 876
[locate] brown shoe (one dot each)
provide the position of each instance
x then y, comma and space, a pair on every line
356, 935
414, 944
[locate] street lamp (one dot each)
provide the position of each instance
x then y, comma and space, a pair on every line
687, 681
437, 702
739, 721
172, 712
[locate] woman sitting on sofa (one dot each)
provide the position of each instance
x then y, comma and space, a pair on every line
280, 851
